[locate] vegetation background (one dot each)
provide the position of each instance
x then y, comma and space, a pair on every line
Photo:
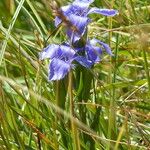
118, 110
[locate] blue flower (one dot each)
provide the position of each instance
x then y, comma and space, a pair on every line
77, 13
92, 52
83, 52
63, 57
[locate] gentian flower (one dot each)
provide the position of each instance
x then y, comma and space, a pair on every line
77, 13
92, 52
81, 51
63, 56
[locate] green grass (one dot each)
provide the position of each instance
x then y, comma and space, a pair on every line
112, 113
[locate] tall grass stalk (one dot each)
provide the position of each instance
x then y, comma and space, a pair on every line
10, 29
112, 111
146, 67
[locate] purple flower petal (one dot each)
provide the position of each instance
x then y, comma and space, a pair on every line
80, 23
105, 12
58, 69
83, 61
66, 51
73, 36
80, 8
65, 8
83, 2
57, 21
104, 45
66, 11
57, 51
73, 9
50, 51
93, 53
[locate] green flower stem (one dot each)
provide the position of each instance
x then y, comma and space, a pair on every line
84, 79
75, 137
61, 92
